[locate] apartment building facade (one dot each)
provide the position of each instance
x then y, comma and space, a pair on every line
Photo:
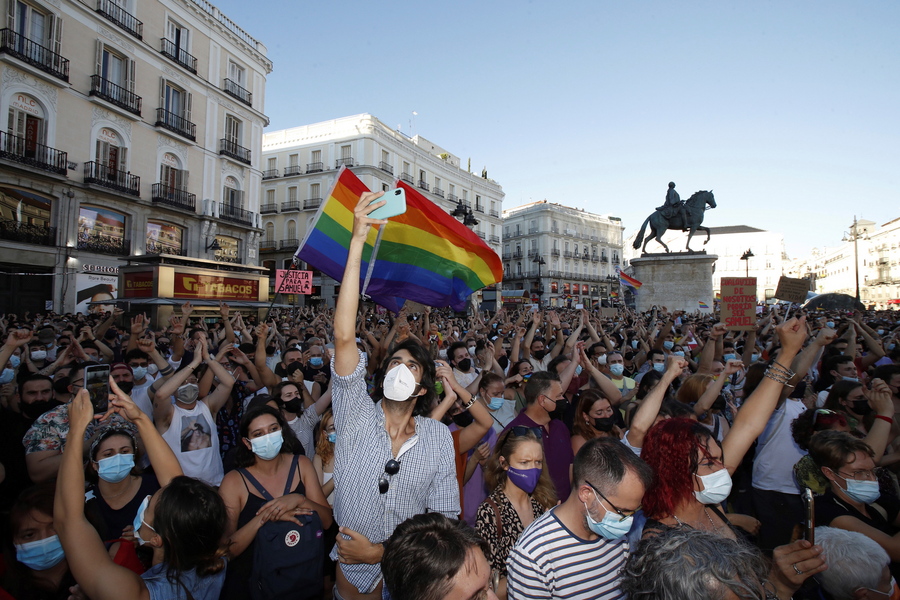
133, 128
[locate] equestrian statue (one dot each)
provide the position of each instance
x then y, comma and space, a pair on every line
675, 214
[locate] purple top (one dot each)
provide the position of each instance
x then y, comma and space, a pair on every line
557, 451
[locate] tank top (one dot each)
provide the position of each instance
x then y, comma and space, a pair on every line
192, 437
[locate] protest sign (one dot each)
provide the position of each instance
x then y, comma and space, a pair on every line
792, 290
739, 303
293, 282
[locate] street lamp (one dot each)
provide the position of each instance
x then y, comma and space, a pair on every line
746, 256
854, 237
539, 261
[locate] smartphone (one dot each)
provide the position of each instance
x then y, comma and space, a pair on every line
96, 382
809, 505
579, 306
396, 204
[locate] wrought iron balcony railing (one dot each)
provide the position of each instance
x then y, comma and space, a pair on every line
120, 181
16, 44
172, 196
176, 123
115, 94
234, 214
234, 150
16, 231
234, 90
118, 15
315, 167
169, 49
32, 154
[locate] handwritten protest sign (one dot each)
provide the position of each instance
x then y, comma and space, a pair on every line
739, 303
293, 282
792, 290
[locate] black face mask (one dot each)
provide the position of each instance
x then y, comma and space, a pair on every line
861, 407
463, 419
36, 409
294, 405
605, 424
464, 365
61, 386
560, 410
126, 386
270, 350
539, 354
503, 361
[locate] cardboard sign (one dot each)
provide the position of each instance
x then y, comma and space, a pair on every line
739, 303
792, 290
293, 282
208, 287
609, 313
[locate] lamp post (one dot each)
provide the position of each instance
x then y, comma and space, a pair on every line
854, 237
539, 261
746, 256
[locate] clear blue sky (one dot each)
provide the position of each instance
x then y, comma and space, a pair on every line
788, 111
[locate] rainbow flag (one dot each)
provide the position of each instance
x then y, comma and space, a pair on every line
629, 281
423, 255
703, 304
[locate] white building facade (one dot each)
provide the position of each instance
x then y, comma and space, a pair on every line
731, 243
134, 128
561, 255
301, 164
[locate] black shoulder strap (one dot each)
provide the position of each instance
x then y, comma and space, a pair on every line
259, 488
290, 480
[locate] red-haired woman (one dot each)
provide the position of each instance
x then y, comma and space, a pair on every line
692, 471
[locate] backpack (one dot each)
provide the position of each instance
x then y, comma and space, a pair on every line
288, 560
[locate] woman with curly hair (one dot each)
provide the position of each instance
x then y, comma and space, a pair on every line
523, 491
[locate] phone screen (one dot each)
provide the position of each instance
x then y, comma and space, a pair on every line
96, 382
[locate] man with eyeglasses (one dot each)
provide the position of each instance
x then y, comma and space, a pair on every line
578, 549
390, 461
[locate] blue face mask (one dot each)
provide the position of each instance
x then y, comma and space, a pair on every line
634, 344
679, 353
332, 437
6, 376
866, 492
853, 379
15, 361
316, 361
40, 555
728, 357
578, 370
668, 344
496, 403
267, 446
139, 372
611, 526
115, 468
617, 369
139, 520
754, 357
661, 367
829, 324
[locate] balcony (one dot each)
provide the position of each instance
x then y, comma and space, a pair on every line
120, 181
270, 174
423, 185
479, 208
292, 170
32, 154
312, 203
407, 178
290, 206
533, 230
480, 234
386, 167
268, 246
236, 91
176, 124
346, 161
567, 254
267, 209
495, 239
495, 214
119, 16
438, 192
315, 167
452, 198
174, 197
234, 214
517, 254
26, 233
115, 94
34, 54
595, 258
554, 252
102, 244
235, 151
290, 244
604, 258
169, 49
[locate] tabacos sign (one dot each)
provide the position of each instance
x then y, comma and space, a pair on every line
215, 288
137, 285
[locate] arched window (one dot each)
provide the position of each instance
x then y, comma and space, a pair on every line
292, 230
270, 232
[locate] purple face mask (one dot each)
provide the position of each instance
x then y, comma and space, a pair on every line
525, 479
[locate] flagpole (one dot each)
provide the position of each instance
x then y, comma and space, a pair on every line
371, 268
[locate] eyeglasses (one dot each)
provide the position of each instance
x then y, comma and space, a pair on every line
521, 430
860, 475
622, 513
391, 467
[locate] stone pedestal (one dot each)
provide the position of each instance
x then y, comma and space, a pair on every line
678, 281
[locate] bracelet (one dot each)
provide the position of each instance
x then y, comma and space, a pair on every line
778, 377
888, 420
469, 404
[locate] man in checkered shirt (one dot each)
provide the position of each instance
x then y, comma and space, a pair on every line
391, 463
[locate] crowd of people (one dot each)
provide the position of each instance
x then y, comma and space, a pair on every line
522, 454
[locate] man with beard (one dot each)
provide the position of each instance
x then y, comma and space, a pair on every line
545, 404
34, 398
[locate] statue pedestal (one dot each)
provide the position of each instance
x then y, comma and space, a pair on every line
678, 281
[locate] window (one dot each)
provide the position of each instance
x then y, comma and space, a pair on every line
292, 194
272, 164
465, 197
314, 190
164, 238
101, 230
385, 157
406, 168
237, 74
422, 176
291, 230
176, 104
110, 152
35, 24
116, 73
270, 232
270, 197
233, 128
26, 122
437, 183
345, 151
180, 37
294, 160
315, 156
24, 208
232, 196
170, 175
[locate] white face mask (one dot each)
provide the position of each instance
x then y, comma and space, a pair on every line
399, 384
716, 487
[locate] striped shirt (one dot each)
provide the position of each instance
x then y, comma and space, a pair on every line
426, 481
549, 561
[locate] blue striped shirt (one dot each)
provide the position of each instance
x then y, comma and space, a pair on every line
549, 561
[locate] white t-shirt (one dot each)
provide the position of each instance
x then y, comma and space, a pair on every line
141, 397
777, 452
193, 437
465, 379
503, 415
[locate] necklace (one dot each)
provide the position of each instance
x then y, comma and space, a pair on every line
706, 512
127, 488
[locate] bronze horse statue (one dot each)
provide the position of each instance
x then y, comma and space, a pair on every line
694, 208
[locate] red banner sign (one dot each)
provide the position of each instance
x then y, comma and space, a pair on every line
208, 287
137, 285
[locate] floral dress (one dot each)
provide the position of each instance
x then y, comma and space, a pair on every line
501, 531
